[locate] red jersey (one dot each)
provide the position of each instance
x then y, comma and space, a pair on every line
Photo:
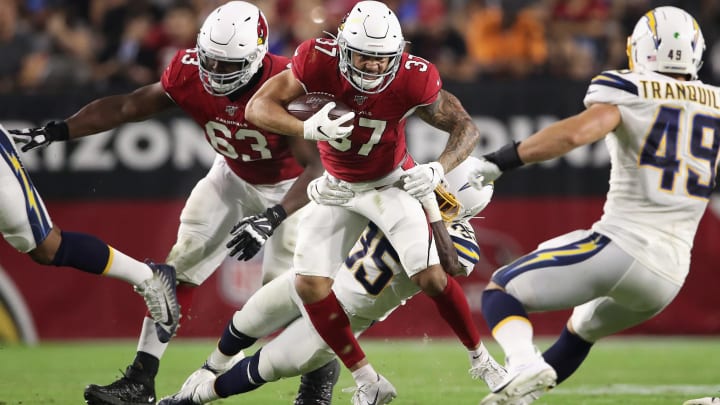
377, 144
253, 154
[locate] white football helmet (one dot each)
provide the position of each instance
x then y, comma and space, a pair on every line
470, 200
371, 29
667, 40
231, 46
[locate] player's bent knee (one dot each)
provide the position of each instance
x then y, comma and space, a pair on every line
187, 251
312, 288
45, 252
432, 281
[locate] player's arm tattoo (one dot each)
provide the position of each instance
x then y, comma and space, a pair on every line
448, 114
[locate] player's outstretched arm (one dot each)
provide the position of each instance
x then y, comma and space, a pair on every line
109, 112
550, 142
100, 115
565, 135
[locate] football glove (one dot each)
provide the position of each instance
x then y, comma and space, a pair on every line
421, 180
251, 233
327, 192
484, 173
32, 138
320, 127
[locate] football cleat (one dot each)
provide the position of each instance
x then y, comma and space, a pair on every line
199, 394
524, 383
487, 369
376, 393
160, 297
703, 401
124, 391
316, 387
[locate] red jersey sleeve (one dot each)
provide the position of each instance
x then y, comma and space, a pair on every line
299, 62
422, 80
181, 69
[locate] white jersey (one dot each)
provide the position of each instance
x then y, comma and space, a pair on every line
24, 220
369, 287
664, 157
372, 283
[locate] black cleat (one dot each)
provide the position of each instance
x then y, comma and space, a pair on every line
125, 391
316, 387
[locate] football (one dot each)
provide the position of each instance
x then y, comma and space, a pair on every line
306, 105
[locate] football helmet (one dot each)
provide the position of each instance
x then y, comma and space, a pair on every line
667, 40
458, 200
370, 29
231, 45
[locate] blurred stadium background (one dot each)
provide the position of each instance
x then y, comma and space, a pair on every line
517, 65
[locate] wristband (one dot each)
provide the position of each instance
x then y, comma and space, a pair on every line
432, 210
506, 158
276, 214
58, 130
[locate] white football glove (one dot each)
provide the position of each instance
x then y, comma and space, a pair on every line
320, 127
422, 179
325, 191
484, 173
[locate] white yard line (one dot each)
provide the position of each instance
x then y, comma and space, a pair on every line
634, 389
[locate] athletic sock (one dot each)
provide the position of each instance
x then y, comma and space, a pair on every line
185, 295
242, 377
148, 341
566, 354
478, 356
333, 325
233, 340
144, 368
365, 375
510, 325
89, 254
454, 309
126, 268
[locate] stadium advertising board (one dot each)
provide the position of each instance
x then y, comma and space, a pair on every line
128, 187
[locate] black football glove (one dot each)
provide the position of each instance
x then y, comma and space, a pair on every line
251, 233
32, 138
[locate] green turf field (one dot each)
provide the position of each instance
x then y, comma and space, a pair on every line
633, 371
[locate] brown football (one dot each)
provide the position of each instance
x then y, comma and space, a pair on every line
306, 105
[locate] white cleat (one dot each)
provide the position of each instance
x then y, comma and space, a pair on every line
199, 394
199, 376
523, 385
377, 393
487, 369
208, 373
703, 401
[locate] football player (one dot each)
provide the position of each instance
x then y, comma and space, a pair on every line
366, 68
256, 173
662, 129
26, 225
370, 284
